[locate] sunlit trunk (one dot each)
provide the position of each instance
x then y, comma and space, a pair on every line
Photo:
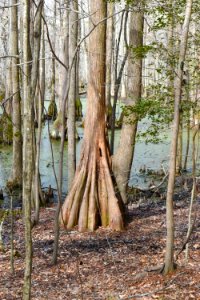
92, 201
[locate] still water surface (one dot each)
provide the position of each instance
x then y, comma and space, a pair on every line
152, 156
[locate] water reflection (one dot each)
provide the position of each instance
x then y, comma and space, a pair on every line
152, 156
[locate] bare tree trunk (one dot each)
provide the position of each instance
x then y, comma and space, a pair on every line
187, 146
16, 176
118, 78
123, 158
71, 120
52, 110
91, 200
42, 70
8, 91
179, 165
79, 113
187, 125
27, 151
109, 57
30, 82
41, 88
169, 256
11, 236
61, 119
170, 50
194, 190
57, 127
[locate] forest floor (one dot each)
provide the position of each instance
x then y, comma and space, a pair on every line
104, 264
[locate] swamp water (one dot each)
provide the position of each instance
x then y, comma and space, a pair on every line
149, 156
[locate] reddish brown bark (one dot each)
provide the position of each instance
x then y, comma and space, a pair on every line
92, 200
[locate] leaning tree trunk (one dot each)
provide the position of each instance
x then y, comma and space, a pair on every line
123, 158
169, 256
91, 200
16, 176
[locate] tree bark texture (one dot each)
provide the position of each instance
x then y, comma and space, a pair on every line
38, 135
118, 75
16, 176
123, 158
27, 151
92, 201
71, 120
109, 56
169, 256
63, 73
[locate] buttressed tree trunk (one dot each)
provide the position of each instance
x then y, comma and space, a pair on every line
91, 200
123, 158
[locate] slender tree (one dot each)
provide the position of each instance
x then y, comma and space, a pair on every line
71, 125
27, 150
30, 83
123, 158
40, 98
118, 73
169, 256
92, 200
63, 72
52, 110
16, 176
109, 57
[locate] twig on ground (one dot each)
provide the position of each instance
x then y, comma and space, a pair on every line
167, 285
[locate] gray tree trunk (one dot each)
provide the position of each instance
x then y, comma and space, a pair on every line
41, 92
27, 150
109, 55
63, 74
123, 158
30, 82
16, 176
53, 77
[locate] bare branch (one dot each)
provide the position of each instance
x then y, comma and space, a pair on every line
9, 6
9, 56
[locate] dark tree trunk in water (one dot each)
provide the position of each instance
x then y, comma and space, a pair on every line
91, 200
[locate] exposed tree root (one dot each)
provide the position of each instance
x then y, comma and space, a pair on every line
92, 201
